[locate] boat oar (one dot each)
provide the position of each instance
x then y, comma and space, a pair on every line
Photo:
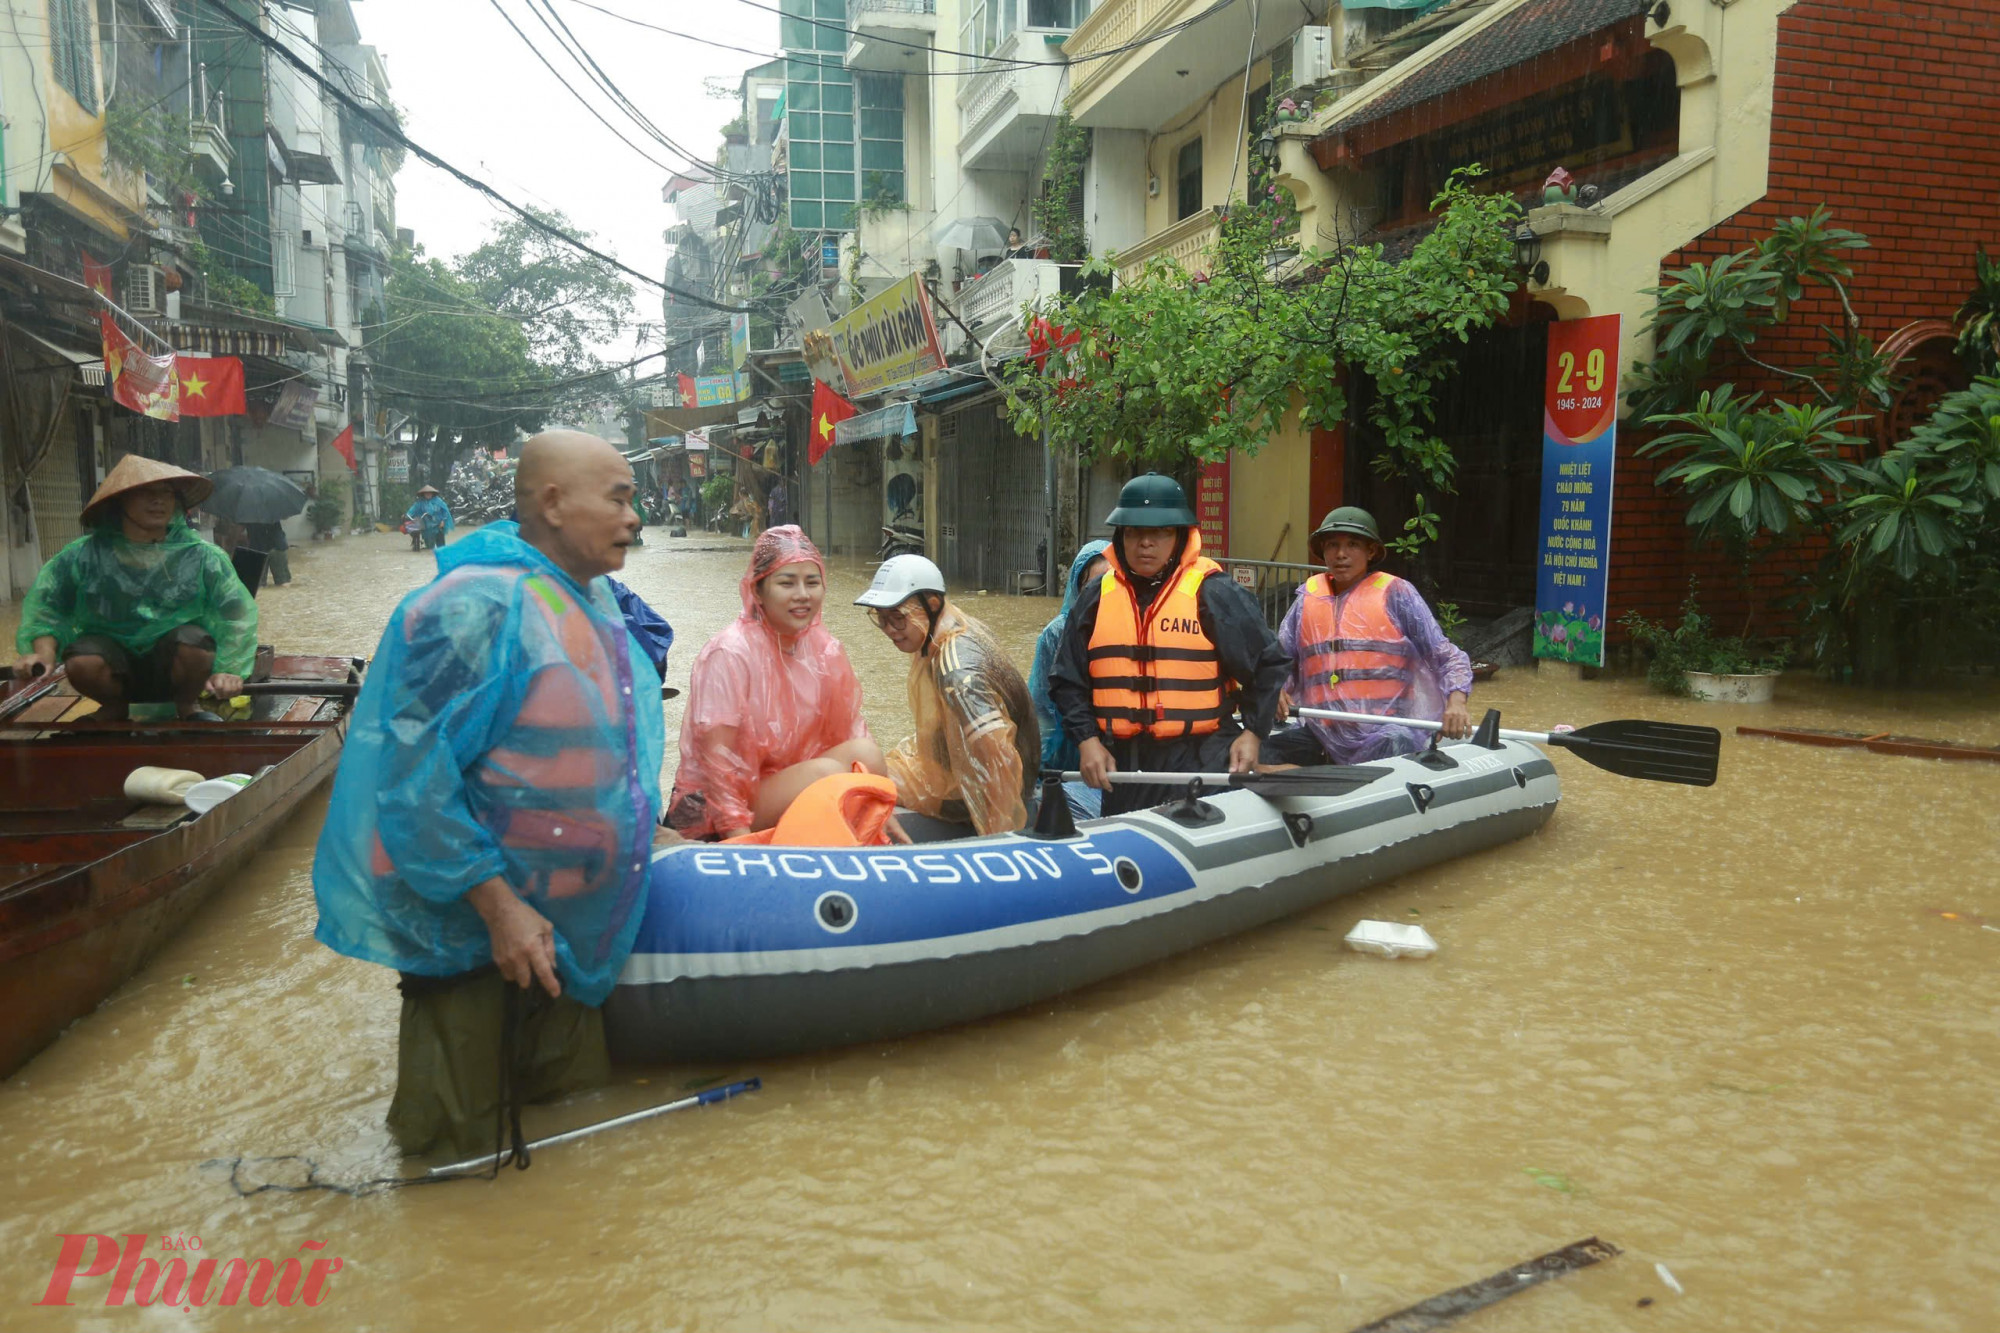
1650, 751
721, 1094
1328, 781
346, 689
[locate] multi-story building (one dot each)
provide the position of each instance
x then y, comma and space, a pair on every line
227, 206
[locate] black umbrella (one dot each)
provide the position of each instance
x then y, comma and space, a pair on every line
253, 495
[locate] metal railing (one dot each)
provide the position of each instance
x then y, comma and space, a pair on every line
1274, 583
855, 8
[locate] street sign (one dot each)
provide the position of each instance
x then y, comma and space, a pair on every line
1579, 452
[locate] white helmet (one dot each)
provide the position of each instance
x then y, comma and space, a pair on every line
899, 579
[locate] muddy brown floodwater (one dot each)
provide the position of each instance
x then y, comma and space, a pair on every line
1733, 1031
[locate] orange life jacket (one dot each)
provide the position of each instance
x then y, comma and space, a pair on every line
1161, 678
839, 810
1352, 655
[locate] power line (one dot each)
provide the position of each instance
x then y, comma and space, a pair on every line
465, 178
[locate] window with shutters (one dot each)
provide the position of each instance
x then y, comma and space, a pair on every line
72, 51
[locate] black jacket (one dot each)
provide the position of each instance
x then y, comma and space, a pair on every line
1233, 622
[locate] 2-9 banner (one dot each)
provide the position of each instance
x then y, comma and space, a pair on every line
1579, 450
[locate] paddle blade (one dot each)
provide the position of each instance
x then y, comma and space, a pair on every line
1650, 751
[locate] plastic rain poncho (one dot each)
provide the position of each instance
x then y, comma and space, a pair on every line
1058, 750
1437, 668
134, 592
972, 756
649, 629
431, 510
508, 726
757, 705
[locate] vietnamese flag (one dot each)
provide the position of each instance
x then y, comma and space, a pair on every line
343, 444
96, 276
211, 386
829, 410
687, 390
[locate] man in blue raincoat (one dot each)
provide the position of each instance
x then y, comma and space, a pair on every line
1059, 752
492, 819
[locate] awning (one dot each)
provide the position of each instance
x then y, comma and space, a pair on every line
1535, 46
89, 365
896, 419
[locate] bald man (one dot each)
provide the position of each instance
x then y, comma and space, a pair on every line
492, 818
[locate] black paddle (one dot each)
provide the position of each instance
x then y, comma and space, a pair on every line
1649, 751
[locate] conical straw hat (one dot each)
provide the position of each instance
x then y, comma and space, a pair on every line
428, 490
134, 471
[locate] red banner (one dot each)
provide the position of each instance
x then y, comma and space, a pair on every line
211, 386
343, 444
146, 384
1211, 508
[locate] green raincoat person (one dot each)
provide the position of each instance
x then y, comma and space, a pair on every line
140, 609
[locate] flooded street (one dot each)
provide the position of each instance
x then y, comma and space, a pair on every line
1747, 1033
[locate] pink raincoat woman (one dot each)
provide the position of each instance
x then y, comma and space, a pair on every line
773, 703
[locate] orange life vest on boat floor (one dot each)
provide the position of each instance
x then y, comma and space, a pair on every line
1352, 654
1161, 678
839, 810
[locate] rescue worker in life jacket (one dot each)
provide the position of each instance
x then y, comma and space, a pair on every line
1165, 664
1363, 642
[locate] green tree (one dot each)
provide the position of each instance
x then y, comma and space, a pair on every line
461, 371
566, 303
1179, 368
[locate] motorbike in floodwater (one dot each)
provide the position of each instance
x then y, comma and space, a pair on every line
900, 539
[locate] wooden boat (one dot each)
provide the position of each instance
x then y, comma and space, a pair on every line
92, 883
1881, 742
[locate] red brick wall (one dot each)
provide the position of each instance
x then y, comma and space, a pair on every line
1888, 112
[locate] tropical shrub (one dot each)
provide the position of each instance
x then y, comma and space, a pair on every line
1908, 583
1693, 645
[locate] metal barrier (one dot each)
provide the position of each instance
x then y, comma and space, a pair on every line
1274, 583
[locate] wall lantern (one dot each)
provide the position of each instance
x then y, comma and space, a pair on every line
1528, 254
1267, 149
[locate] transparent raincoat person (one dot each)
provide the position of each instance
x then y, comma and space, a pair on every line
761, 702
509, 726
972, 758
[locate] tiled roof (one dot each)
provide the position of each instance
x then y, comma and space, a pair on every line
1517, 37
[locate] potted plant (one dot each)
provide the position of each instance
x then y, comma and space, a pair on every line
1691, 659
325, 507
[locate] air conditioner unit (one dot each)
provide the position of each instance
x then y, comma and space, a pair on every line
1312, 55
145, 293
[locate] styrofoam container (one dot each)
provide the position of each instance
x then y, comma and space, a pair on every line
1391, 939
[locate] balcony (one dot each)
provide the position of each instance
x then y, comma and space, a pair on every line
1186, 243
990, 304
210, 146
892, 36
1145, 87
1006, 113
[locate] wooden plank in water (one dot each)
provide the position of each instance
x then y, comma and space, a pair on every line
1447, 1306
1881, 742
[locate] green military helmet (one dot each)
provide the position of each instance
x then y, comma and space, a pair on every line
1351, 519
1152, 501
